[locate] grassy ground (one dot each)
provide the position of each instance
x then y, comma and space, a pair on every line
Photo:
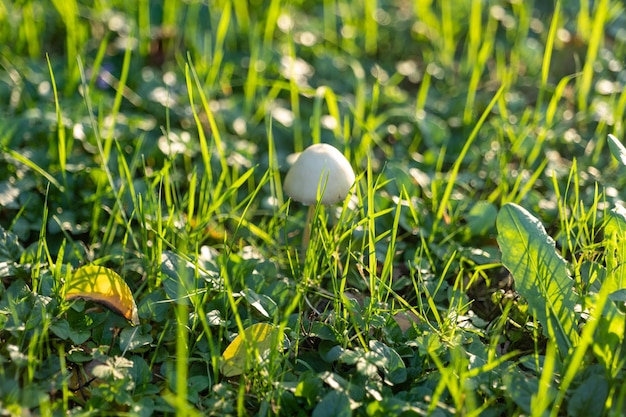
476, 269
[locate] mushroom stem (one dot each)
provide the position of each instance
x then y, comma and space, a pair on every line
306, 236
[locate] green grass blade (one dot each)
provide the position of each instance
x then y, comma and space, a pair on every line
457, 164
547, 56
370, 26
218, 51
75, 34
478, 68
447, 33
597, 34
24, 160
216, 136
540, 273
117, 102
62, 148
30, 29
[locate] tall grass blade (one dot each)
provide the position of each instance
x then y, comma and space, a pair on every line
216, 136
540, 274
468, 143
62, 149
371, 26
24, 160
218, 51
597, 34
117, 103
74, 38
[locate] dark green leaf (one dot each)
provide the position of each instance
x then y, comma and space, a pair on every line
79, 336
309, 387
355, 391
393, 365
155, 306
522, 390
334, 404
322, 331
481, 218
330, 352
141, 374
10, 248
589, 398
391, 406
133, 338
61, 328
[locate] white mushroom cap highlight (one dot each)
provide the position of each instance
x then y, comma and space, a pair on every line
320, 168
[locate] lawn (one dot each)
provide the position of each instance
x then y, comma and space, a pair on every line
152, 263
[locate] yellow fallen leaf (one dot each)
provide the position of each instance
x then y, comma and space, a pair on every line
102, 285
260, 336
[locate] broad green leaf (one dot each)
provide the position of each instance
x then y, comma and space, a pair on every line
334, 404
394, 406
355, 391
10, 248
102, 285
617, 149
256, 342
481, 218
392, 364
309, 387
522, 389
63, 330
589, 398
540, 273
133, 338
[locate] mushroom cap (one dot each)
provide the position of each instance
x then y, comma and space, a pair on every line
320, 166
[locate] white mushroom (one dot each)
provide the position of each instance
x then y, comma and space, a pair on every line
321, 170
321, 173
